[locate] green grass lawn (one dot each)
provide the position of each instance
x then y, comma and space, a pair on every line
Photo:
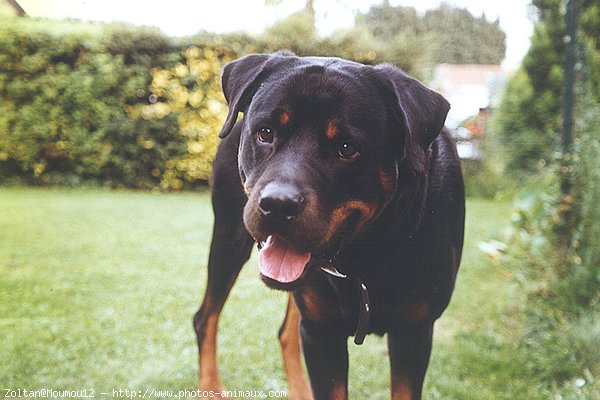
98, 289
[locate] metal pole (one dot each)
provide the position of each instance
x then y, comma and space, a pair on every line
570, 59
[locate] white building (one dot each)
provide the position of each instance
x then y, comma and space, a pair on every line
468, 88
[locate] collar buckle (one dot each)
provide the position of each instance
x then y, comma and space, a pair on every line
364, 311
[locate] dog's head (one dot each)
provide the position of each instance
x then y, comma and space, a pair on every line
321, 146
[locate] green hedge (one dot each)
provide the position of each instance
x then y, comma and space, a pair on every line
65, 88
114, 105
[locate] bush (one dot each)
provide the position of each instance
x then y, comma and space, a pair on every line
555, 254
554, 239
65, 93
587, 189
525, 126
192, 94
112, 104
481, 180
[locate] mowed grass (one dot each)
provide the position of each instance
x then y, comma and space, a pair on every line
98, 289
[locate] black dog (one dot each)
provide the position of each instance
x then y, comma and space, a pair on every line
345, 177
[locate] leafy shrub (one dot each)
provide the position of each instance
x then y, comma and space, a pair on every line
481, 180
525, 125
528, 118
296, 33
586, 189
65, 95
192, 94
553, 243
555, 254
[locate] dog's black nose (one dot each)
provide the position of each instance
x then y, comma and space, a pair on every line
280, 202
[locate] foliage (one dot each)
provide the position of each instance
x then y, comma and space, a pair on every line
483, 180
562, 311
586, 191
112, 104
298, 34
527, 136
193, 94
554, 250
444, 35
461, 38
65, 94
528, 119
553, 240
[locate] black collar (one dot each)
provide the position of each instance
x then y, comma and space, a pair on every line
364, 311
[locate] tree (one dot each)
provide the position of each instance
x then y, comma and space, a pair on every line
528, 120
385, 21
446, 34
461, 38
309, 9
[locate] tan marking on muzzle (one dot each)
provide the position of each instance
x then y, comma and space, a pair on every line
340, 214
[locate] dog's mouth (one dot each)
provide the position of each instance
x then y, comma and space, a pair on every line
283, 266
280, 261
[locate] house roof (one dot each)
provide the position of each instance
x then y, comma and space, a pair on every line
13, 6
451, 75
468, 88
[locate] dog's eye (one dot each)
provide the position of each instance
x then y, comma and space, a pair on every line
265, 135
348, 151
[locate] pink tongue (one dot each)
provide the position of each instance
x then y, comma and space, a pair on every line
281, 262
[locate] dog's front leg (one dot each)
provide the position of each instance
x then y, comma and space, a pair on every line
289, 339
409, 351
326, 355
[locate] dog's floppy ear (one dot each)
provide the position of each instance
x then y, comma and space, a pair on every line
421, 110
242, 78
